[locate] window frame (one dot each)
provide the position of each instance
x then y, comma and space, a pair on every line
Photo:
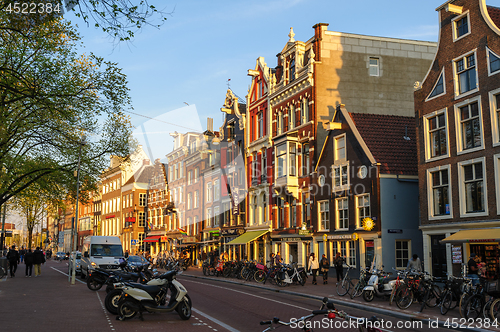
323, 225
455, 21
342, 186
443, 76
430, 197
337, 214
427, 136
463, 57
358, 207
342, 137
458, 125
496, 161
408, 249
488, 51
461, 179
494, 116
375, 66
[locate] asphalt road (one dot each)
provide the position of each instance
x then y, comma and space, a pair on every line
51, 303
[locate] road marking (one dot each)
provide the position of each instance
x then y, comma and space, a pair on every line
260, 297
105, 312
215, 320
53, 268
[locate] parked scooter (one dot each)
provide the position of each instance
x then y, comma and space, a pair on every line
138, 298
380, 284
99, 277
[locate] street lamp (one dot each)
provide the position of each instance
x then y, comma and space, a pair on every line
75, 224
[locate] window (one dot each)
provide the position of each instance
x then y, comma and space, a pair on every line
306, 209
440, 196
190, 177
189, 202
469, 135
363, 208
216, 190
293, 215
230, 132
473, 187
209, 218
340, 177
281, 160
292, 70
494, 97
439, 88
196, 199
437, 137
305, 160
264, 166
324, 215
402, 253
374, 67
342, 213
493, 62
343, 249
351, 259
291, 117
460, 26
209, 192
142, 219
466, 76
142, 199
260, 121
293, 160
216, 217
196, 174
281, 213
304, 110
339, 148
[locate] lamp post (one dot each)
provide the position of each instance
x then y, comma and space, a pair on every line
75, 224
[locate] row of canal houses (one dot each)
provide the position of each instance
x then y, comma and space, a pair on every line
374, 147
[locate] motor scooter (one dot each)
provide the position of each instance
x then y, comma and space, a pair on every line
380, 284
137, 298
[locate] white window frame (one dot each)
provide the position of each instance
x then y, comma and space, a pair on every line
454, 22
376, 66
442, 74
461, 179
196, 199
304, 111
488, 51
495, 125
496, 161
458, 126
459, 95
291, 117
358, 219
190, 201
335, 147
430, 198
337, 213
323, 207
351, 249
343, 186
396, 256
216, 189
427, 135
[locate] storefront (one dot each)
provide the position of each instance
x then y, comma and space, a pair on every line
211, 240
294, 248
483, 242
228, 235
251, 245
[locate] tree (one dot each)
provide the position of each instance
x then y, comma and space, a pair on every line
118, 18
49, 97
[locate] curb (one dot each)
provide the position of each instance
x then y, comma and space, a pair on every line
348, 303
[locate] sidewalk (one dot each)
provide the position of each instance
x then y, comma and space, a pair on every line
319, 291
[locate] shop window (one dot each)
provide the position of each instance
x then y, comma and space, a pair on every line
343, 249
362, 208
435, 125
342, 213
402, 253
324, 215
472, 187
461, 26
439, 192
465, 74
469, 126
351, 259
439, 89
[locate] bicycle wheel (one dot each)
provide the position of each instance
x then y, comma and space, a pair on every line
446, 302
403, 297
495, 310
487, 307
2, 272
393, 294
357, 290
433, 297
473, 308
343, 286
259, 275
205, 270
461, 304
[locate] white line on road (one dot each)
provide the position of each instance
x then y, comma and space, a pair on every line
215, 320
53, 268
260, 297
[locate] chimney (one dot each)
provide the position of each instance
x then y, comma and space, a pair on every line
210, 124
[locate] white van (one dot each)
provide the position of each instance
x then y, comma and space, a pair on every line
101, 251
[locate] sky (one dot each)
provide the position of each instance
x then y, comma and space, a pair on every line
179, 73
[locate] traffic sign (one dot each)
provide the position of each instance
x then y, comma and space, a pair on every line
133, 242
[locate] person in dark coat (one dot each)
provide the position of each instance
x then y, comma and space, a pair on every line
324, 265
38, 260
13, 257
28, 260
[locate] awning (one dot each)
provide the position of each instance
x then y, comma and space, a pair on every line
474, 235
247, 237
155, 238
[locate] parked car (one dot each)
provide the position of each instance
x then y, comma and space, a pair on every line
78, 265
60, 256
137, 261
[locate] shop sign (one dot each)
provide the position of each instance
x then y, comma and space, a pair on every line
456, 254
111, 216
187, 239
291, 239
325, 237
214, 233
353, 236
482, 240
236, 205
368, 224
233, 231
164, 239
398, 231
305, 232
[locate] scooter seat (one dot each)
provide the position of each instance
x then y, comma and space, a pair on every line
388, 279
147, 288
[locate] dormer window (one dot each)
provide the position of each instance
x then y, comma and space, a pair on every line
292, 70
439, 88
461, 26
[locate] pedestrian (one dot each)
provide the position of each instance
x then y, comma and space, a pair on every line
38, 260
277, 259
271, 260
28, 260
339, 267
473, 269
325, 267
313, 267
22, 252
13, 258
414, 264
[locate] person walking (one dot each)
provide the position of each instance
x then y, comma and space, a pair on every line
313, 267
22, 252
28, 260
38, 260
13, 258
325, 267
339, 267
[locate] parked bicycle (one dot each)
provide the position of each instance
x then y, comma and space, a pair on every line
345, 284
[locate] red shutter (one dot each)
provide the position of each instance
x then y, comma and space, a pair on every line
223, 156
223, 186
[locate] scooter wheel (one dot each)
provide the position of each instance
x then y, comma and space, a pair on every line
126, 310
93, 284
368, 295
184, 310
111, 301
